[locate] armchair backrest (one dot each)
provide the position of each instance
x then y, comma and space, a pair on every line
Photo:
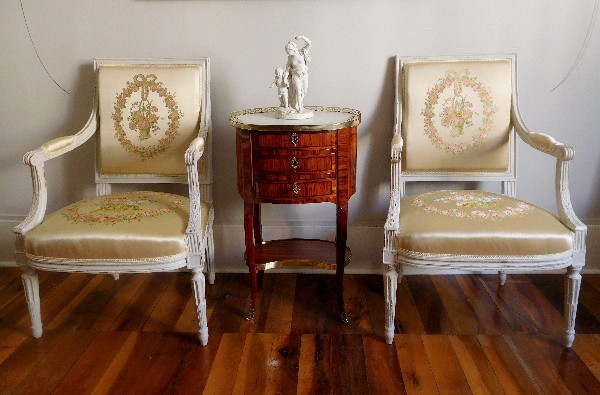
454, 116
148, 112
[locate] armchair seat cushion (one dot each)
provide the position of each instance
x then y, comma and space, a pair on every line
125, 226
477, 223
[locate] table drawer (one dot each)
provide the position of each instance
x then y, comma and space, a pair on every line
298, 140
294, 177
295, 164
300, 189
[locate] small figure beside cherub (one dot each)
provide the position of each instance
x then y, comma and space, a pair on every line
282, 86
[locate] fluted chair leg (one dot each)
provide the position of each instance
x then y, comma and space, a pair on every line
390, 284
572, 286
199, 286
31, 286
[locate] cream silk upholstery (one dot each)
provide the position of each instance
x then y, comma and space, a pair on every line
148, 117
152, 125
128, 226
478, 223
457, 122
456, 116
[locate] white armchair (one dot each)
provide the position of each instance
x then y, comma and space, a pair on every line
151, 119
455, 120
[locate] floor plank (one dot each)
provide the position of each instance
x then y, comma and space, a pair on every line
459, 309
224, 370
446, 368
277, 356
478, 372
83, 377
455, 334
430, 306
587, 348
383, 368
507, 366
416, 368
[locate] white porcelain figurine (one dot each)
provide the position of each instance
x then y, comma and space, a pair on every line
292, 82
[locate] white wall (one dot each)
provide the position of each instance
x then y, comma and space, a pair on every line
353, 45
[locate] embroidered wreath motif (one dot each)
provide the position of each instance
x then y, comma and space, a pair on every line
457, 112
144, 116
127, 207
472, 205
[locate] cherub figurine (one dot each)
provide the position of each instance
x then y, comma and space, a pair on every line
295, 80
282, 85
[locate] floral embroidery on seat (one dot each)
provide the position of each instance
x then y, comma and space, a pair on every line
457, 112
127, 207
471, 205
141, 99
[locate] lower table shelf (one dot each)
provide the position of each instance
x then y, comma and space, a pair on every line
297, 252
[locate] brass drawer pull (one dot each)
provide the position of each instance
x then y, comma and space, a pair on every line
295, 189
294, 163
294, 139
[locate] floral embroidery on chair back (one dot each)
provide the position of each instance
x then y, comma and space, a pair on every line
148, 115
456, 116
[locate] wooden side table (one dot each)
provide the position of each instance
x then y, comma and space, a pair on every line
295, 162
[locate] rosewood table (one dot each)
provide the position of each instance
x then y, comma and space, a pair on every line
295, 162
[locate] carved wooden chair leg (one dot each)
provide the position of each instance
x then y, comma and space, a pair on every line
572, 286
32, 294
390, 284
199, 285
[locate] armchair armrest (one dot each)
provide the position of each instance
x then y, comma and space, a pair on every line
563, 154
58, 145
542, 142
35, 160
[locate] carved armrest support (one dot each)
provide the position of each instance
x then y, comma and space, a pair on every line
35, 160
192, 155
565, 209
391, 229
563, 154
40, 194
392, 222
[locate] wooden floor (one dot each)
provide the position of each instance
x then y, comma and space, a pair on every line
456, 334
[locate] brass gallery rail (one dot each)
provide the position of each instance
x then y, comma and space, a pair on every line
459, 334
